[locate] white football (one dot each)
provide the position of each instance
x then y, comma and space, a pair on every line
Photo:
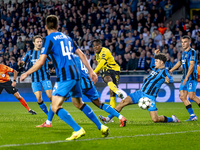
144, 103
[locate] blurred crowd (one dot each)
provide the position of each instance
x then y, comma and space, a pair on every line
131, 29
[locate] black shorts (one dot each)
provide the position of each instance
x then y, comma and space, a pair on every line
8, 87
113, 74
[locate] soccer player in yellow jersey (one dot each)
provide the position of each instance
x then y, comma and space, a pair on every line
109, 70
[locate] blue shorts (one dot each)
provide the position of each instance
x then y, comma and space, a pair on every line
139, 94
37, 86
190, 86
91, 93
71, 88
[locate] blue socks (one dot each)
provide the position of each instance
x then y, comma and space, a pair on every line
189, 109
90, 114
169, 119
66, 117
43, 107
110, 116
107, 108
50, 114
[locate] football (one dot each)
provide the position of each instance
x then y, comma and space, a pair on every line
144, 103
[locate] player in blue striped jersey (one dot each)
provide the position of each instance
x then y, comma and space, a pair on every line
90, 91
40, 78
150, 88
190, 76
61, 48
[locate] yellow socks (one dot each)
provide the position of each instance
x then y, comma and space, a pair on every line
113, 102
113, 87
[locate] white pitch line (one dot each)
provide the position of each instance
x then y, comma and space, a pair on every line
93, 139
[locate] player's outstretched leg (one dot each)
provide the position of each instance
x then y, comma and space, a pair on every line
188, 106
66, 117
155, 118
118, 108
47, 123
113, 112
90, 114
23, 102
38, 95
43, 107
114, 88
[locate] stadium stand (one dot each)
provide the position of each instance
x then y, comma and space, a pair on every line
131, 29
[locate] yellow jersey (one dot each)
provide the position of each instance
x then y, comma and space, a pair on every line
109, 61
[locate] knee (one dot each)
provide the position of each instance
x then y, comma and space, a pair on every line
39, 99
19, 97
79, 105
97, 103
191, 96
54, 108
183, 97
155, 119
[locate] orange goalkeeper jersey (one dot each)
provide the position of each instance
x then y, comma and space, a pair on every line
198, 70
4, 77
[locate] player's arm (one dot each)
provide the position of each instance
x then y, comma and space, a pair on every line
190, 70
103, 60
85, 62
100, 65
24, 61
152, 64
15, 78
178, 64
168, 78
8, 69
20, 64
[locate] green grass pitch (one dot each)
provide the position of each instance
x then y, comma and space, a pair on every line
18, 129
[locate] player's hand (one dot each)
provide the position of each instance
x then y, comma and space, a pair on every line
184, 81
13, 84
93, 76
23, 76
170, 71
157, 51
167, 80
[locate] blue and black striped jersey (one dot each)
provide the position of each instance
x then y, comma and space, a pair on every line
86, 82
188, 56
153, 82
43, 73
61, 49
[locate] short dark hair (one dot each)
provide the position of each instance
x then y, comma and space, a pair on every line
52, 22
161, 56
37, 36
186, 37
98, 41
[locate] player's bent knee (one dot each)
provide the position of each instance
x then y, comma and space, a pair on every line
155, 120
97, 102
182, 97
192, 96
54, 108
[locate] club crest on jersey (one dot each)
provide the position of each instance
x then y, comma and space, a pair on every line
190, 86
153, 73
33, 61
3, 75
